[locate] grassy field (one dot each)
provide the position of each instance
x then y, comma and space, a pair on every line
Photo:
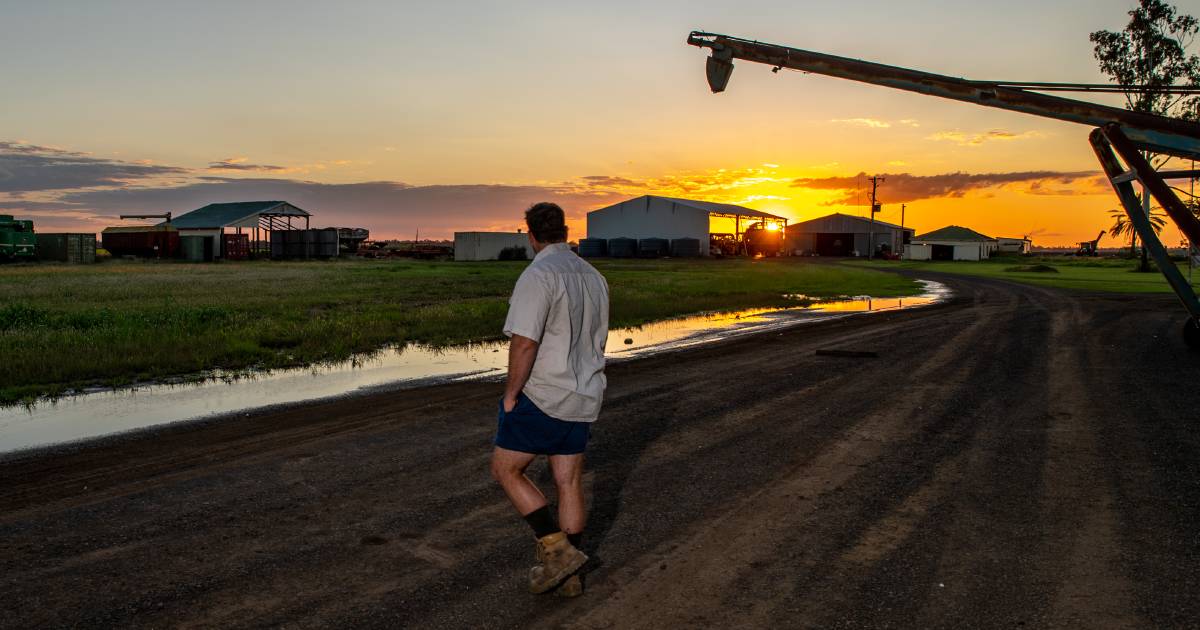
1117, 275
62, 326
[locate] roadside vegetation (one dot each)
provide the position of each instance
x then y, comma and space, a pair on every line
1116, 275
63, 327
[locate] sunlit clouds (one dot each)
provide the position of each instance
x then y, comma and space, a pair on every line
964, 139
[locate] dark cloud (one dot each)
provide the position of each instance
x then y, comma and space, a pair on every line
903, 187
386, 208
22, 205
608, 181
240, 164
30, 168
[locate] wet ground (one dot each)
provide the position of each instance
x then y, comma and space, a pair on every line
1015, 457
111, 411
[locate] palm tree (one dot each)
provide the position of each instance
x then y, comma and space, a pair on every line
1123, 227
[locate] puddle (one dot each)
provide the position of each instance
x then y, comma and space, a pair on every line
106, 412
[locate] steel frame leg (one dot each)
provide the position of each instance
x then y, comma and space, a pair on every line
1122, 182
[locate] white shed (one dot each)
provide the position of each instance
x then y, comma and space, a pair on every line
488, 245
1010, 245
953, 243
651, 216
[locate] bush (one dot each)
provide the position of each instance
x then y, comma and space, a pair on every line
1032, 269
513, 253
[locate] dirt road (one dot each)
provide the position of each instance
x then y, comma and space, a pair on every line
1016, 457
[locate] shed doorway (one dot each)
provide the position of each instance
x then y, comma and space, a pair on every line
941, 252
834, 244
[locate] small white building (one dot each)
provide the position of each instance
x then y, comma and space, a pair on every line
488, 245
1007, 245
951, 243
651, 216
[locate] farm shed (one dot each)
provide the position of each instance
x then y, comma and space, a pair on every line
951, 243
1007, 245
488, 245
845, 235
260, 218
651, 216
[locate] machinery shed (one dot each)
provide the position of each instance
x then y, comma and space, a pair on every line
260, 219
488, 245
952, 242
670, 218
845, 235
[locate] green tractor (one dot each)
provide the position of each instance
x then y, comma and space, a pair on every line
17, 240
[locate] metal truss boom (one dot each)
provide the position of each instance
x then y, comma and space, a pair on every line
1118, 132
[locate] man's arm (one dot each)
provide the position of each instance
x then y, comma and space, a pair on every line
521, 353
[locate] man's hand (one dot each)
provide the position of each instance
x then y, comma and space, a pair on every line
522, 351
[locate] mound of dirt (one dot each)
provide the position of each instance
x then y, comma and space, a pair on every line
1033, 269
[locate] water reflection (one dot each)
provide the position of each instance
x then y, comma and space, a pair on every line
100, 413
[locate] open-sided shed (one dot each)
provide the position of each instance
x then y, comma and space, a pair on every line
256, 219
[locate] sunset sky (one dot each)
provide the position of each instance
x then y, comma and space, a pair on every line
446, 116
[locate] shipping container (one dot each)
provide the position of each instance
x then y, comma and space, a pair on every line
235, 246
69, 248
148, 241
196, 248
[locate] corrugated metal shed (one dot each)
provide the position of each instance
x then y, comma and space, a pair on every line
840, 234
237, 214
953, 233
955, 242
652, 216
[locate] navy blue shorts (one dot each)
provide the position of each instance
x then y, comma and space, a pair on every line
529, 430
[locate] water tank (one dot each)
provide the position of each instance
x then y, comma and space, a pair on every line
654, 247
593, 247
685, 247
622, 247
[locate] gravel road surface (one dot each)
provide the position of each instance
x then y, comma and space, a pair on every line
1017, 456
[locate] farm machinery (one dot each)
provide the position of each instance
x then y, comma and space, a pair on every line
1121, 139
1090, 248
17, 240
757, 240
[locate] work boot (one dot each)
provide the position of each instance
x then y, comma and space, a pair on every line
558, 559
571, 587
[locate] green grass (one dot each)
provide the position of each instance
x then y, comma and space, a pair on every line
62, 327
1114, 275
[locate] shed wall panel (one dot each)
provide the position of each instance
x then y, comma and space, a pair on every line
649, 217
488, 245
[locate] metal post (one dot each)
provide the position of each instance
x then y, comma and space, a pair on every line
1123, 186
875, 181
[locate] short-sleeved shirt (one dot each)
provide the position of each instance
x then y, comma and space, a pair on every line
561, 302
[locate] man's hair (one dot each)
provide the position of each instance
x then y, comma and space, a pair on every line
546, 222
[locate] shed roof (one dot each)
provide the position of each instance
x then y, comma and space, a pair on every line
799, 226
219, 215
712, 207
954, 233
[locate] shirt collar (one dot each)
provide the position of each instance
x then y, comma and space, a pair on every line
551, 249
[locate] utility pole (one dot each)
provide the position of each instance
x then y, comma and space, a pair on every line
876, 180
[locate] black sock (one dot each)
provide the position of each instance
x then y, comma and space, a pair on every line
576, 540
542, 522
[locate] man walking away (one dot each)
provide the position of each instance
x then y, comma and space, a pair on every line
558, 322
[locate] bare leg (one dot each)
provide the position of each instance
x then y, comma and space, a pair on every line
508, 468
568, 476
